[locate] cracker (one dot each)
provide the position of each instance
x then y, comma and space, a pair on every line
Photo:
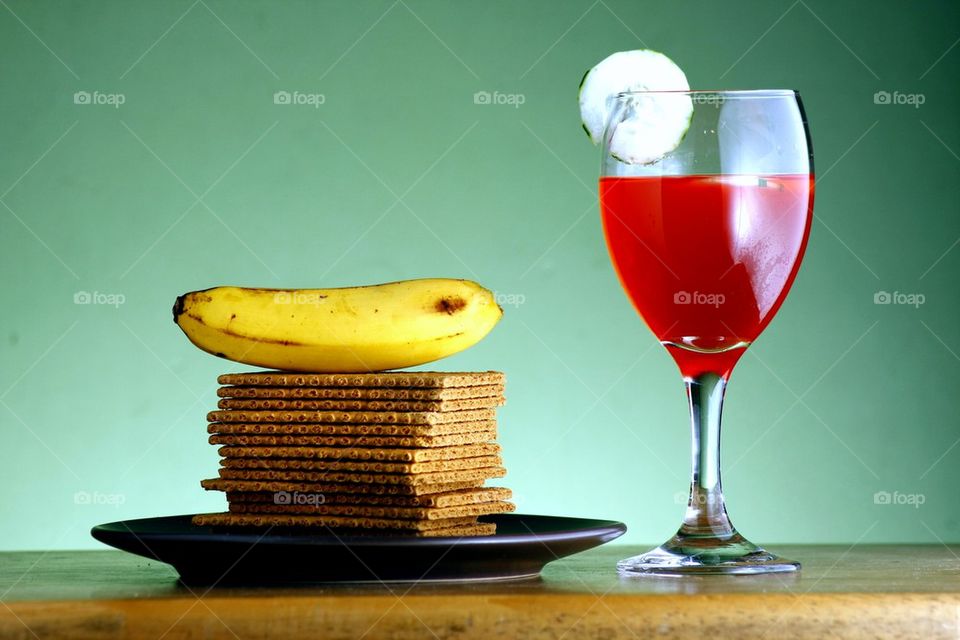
274, 404
364, 510
364, 393
432, 379
298, 475
449, 440
393, 430
463, 531
313, 520
241, 520
362, 453
346, 491
479, 529
352, 417
375, 511
475, 495
362, 466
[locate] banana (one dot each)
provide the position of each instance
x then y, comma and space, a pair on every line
348, 330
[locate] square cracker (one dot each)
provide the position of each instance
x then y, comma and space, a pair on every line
362, 466
376, 511
479, 529
345, 490
277, 520
393, 430
298, 520
362, 453
352, 477
300, 440
425, 394
417, 406
415, 379
353, 417
457, 497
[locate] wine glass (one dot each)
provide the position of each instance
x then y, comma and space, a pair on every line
706, 239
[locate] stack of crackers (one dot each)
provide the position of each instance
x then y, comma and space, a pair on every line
387, 452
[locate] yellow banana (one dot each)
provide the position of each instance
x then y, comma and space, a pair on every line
354, 329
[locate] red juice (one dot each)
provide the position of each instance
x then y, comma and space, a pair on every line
707, 260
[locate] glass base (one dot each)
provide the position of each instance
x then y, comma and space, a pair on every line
685, 556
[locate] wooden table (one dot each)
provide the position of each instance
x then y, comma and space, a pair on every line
860, 592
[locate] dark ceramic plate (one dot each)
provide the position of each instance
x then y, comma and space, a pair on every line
521, 547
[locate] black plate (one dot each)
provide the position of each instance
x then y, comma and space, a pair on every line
521, 547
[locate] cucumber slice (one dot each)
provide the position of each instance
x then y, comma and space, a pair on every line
652, 124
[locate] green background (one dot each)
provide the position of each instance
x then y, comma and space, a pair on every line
199, 179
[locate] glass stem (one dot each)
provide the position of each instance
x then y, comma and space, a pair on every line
706, 542
706, 515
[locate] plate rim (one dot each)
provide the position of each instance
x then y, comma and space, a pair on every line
613, 530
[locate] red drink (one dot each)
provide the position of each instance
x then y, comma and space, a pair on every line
707, 260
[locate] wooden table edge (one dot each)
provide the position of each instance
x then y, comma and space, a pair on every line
741, 615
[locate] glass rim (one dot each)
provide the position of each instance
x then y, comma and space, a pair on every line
733, 93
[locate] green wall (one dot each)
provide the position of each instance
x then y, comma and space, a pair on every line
840, 399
